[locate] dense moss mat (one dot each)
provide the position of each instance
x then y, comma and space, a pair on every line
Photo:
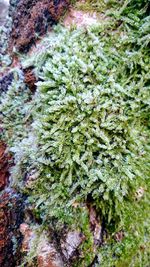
86, 134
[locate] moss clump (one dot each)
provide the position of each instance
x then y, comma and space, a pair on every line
91, 115
91, 125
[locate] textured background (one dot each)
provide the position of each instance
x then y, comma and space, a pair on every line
3, 10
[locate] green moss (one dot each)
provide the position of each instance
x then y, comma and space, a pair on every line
90, 120
91, 127
81, 222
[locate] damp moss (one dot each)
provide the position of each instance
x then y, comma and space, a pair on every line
90, 127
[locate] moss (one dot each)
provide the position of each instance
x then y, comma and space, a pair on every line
95, 5
90, 122
14, 112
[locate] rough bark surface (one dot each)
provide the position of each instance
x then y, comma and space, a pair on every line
32, 19
5, 160
11, 215
48, 256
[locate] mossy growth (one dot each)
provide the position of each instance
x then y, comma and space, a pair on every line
17, 112
5, 59
90, 120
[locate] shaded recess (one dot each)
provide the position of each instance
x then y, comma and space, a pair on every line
32, 19
30, 79
5, 81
